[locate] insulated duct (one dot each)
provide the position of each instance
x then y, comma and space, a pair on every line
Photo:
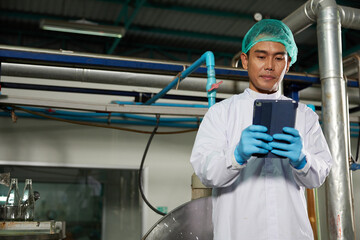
335, 123
306, 15
113, 77
350, 17
24, 71
303, 17
330, 17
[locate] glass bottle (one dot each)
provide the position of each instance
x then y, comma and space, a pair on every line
27, 209
12, 201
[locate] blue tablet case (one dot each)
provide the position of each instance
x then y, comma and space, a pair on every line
275, 115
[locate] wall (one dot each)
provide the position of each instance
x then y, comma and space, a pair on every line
47, 142
169, 172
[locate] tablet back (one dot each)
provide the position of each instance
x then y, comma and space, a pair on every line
275, 115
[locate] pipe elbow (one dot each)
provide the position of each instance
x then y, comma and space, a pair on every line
326, 3
210, 59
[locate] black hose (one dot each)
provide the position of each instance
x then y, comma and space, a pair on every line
141, 168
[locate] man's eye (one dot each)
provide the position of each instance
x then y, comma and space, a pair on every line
260, 57
279, 58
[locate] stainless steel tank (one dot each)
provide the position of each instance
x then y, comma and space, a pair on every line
191, 220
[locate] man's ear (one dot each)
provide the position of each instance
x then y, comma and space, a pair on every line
288, 64
244, 60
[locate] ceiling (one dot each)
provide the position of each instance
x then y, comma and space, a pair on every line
179, 30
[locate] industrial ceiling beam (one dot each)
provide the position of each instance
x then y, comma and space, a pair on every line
181, 33
128, 21
38, 17
195, 10
52, 38
202, 11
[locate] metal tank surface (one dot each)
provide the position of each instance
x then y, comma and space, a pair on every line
191, 220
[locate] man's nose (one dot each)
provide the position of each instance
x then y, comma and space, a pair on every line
269, 64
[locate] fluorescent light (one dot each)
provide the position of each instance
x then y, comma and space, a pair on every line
3, 198
82, 27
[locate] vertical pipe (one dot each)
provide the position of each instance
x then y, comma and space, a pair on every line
313, 206
335, 122
318, 225
312, 211
210, 64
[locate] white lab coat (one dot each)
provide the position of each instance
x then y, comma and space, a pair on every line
263, 199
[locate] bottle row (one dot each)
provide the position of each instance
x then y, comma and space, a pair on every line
16, 208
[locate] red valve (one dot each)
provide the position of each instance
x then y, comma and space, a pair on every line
215, 86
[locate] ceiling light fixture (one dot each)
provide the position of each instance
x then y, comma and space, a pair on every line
82, 27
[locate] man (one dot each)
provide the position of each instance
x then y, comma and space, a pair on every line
259, 198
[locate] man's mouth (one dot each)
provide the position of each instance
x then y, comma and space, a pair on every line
267, 77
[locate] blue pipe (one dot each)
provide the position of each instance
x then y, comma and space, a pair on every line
207, 57
59, 113
162, 104
114, 121
354, 166
354, 127
145, 120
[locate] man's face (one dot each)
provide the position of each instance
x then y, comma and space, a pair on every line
267, 63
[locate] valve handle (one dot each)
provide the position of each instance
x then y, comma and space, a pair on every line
215, 86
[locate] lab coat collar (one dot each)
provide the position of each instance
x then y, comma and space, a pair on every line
256, 95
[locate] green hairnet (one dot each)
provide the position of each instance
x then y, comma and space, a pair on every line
274, 31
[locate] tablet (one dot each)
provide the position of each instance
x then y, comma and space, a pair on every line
275, 115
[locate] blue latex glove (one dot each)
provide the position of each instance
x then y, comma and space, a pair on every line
254, 139
291, 148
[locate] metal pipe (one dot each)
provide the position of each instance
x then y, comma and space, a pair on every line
114, 77
131, 79
350, 17
352, 66
207, 57
335, 121
314, 94
335, 117
236, 59
26, 71
306, 15
303, 17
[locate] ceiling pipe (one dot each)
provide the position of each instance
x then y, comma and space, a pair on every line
330, 17
303, 17
306, 15
351, 66
21, 73
350, 17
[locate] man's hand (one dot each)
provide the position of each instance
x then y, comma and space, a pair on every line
254, 139
290, 147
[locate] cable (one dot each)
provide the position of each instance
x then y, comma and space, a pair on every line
125, 129
142, 164
98, 125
